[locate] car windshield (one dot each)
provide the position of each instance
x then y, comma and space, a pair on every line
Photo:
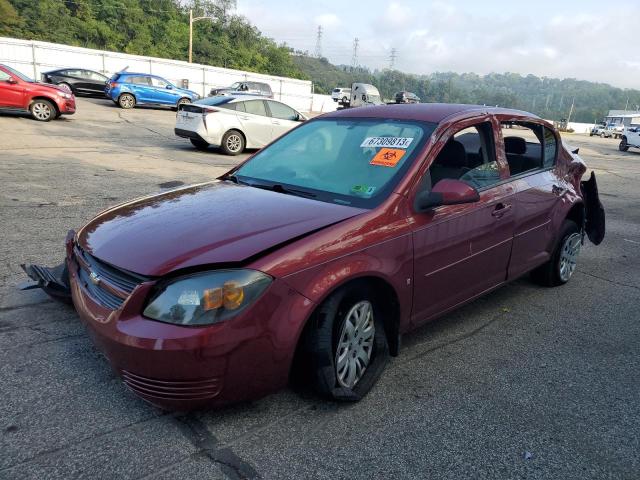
21, 76
213, 101
346, 161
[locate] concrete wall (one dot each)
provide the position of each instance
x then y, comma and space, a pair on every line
34, 57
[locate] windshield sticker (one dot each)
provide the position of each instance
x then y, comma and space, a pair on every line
396, 142
387, 157
363, 190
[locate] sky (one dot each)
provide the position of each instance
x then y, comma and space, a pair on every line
583, 39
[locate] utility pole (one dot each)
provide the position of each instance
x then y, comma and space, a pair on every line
192, 20
570, 111
354, 57
319, 42
392, 59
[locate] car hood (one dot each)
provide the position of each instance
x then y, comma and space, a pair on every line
213, 223
51, 87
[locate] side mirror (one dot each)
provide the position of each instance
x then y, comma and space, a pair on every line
446, 192
169, 87
12, 81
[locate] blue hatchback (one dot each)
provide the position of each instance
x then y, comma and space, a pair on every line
131, 89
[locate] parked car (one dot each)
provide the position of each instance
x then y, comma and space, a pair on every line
630, 138
130, 89
601, 130
77, 80
43, 102
407, 97
341, 95
256, 89
324, 248
234, 123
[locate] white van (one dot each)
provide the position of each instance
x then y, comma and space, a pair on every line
363, 94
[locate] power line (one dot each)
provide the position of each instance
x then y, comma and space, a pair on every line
392, 59
319, 42
354, 57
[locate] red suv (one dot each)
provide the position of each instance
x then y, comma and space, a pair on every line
44, 102
325, 247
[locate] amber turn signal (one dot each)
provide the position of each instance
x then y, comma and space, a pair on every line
212, 299
233, 295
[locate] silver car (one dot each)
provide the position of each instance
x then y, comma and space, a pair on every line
234, 123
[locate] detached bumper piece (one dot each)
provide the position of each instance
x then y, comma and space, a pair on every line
54, 281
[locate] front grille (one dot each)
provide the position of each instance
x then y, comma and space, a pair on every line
174, 389
121, 280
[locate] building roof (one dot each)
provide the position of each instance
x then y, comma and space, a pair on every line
623, 113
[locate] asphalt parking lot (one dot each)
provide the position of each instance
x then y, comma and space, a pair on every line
527, 382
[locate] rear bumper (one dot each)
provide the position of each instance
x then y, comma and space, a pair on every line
188, 134
182, 368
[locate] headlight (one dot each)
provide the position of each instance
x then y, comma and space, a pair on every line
64, 94
207, 298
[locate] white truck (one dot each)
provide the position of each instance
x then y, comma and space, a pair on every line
630, 138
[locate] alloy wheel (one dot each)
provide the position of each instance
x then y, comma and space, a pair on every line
127, 101
355, 344
569, 256
41, 111
234, 142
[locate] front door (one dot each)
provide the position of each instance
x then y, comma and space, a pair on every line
461, 251
256, 123
164, 93
283, 117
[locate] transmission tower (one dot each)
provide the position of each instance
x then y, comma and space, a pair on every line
354, 57
392, 58
319, 42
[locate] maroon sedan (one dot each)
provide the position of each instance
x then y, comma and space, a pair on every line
322, 249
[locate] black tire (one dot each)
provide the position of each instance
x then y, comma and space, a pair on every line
126, 101
182, 101
233, 142
549, 274
43, 110
344, 99
623, 146
321, 340
602, 135
199, 144
67, 86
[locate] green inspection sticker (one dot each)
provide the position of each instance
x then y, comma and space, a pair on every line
363, 190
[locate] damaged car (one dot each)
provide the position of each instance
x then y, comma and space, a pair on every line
315, 255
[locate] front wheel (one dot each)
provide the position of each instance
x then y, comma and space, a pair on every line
562, 264
127, 101
43, 110
182, 101
232, 143
346, 344
623, 146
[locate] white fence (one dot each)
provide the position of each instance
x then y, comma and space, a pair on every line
33, 57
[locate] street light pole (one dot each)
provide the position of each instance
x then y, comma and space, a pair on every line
191, 22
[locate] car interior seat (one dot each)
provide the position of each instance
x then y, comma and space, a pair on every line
451, 162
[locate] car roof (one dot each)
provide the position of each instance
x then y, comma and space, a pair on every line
426, 112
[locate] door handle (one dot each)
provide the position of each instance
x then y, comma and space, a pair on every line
501, 210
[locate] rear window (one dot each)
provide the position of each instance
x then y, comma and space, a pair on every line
139, 80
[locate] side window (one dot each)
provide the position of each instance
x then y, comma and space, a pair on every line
282, 111
4, 76
96, 76
139, 80
240, 107
74, 73
256, 107
469, 156
229, 106
523, 146
158, 82
550, 148
266, 89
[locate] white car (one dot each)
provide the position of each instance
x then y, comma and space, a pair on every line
234, 123
341, 95
630, 138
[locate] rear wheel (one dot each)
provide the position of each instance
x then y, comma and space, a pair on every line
232, 142
199, 144
346, 344
623, 146
602, 135
43, 110
344, 99
182, 101
562, 264
126, 100
67, 87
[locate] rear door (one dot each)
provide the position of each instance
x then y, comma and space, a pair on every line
141, 87
11, 94
283, 118
256, 123
462, 251
95, 81
530, 151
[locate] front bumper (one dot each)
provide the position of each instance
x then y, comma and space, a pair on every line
66, 106
182, 368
